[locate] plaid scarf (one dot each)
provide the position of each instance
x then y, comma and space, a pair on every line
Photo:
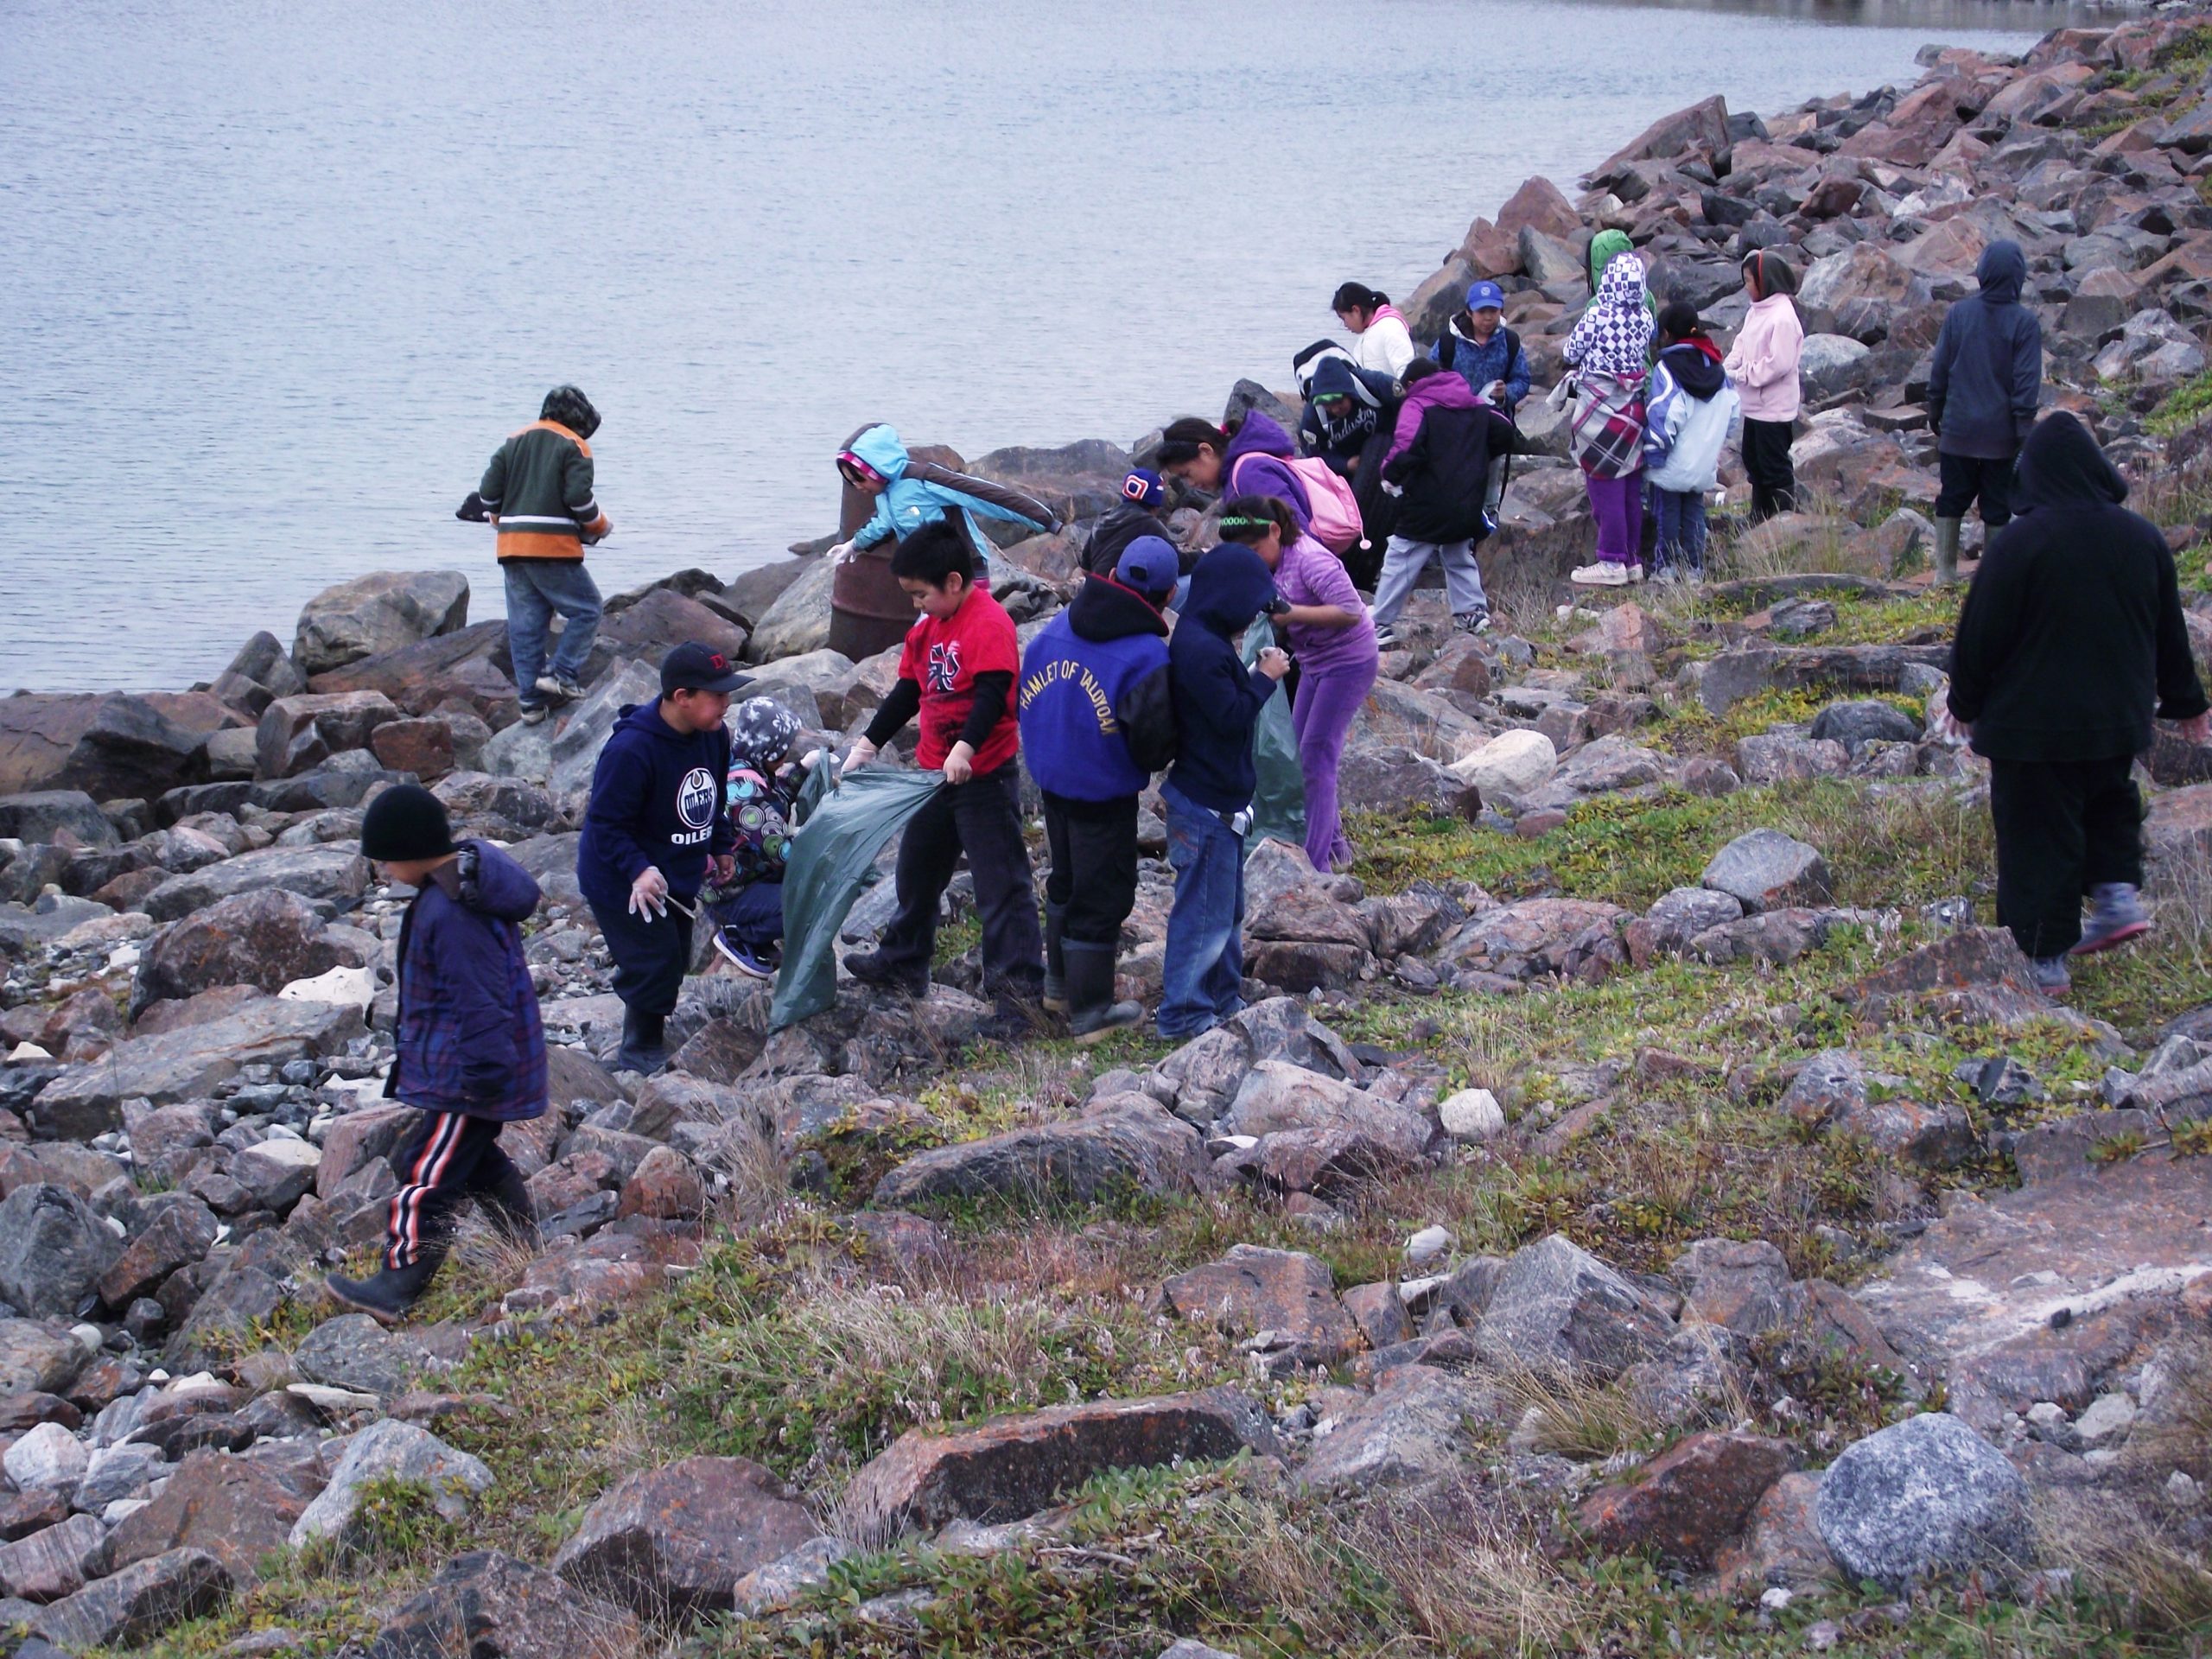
1607, 434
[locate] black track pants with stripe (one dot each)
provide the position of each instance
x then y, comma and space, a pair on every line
448, 1158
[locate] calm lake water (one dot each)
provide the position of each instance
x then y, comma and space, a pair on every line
278, 278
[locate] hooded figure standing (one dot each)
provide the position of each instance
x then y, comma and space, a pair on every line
1609, 349
2069, 639
1982, 390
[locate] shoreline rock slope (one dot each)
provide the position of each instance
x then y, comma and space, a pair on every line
1648, 1151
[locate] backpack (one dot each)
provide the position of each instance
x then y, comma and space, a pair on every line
1331, 510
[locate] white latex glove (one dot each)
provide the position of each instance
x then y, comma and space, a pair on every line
1494, 392
843, 553
649, 893
860, 755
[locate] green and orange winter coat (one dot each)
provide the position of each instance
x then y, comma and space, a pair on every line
538, 489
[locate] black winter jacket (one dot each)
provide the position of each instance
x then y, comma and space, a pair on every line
1445, 472
2072, 632
1218, 699
1121, 524
1987, 372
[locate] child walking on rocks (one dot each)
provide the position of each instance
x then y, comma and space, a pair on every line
2071, 636
1208, 791
471, 1051
1332, 640
1983, 385
1438, 466
1608, 350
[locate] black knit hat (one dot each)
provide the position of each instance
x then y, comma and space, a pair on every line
406, 822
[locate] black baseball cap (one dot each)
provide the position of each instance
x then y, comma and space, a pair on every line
694, 667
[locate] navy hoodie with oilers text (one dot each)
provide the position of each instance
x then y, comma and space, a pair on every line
1097, 717
1218, 699
657, 800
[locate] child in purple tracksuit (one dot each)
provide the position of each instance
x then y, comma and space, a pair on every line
1332, 637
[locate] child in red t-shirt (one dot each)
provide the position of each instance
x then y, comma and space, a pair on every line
957, 672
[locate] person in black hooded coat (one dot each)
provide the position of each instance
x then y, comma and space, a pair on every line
2069, 639
1983, 385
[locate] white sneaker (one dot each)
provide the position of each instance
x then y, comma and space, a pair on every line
1603, 573
1635, 572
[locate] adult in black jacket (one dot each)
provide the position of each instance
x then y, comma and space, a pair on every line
2071, 636
1442, 477
1982, 388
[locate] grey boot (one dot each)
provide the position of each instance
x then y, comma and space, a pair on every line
1947, 552
1092, 1012
1056, 974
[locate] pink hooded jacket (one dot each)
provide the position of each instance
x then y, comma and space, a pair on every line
1763, 360
1432, 392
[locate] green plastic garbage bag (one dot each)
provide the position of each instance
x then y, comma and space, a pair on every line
830, 863
1278, 798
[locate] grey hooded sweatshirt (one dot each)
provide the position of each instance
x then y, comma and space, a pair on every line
1987, 375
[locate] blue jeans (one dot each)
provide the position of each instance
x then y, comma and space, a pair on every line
1682, 530
537, 588
754, 913
1203, 974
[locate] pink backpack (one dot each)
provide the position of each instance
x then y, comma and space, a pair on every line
1332, 510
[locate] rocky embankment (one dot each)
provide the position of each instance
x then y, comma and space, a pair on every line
1646, 1155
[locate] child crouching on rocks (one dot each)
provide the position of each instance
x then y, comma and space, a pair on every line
472, 1053
1097, 720
2070, 637
762, 794
1209, 791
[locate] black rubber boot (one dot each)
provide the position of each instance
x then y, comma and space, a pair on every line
643, 1050
1056, 973
386, 1297
507, 1207
1093, 1013
870, 969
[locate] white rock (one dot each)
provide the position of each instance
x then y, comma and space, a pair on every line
1416, 1293
356, 986
29, 1052
87, 1336
48, 1457
122, 1509
2046, 1413
1427, 1245
1510, 764
325, 1398
2183, 1490
2108, 1417
1473, 1115
1775, 1599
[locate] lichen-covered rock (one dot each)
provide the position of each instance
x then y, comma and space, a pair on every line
679, 1539
1119, 1147
1922, 1499
491, 1607
1763, 869
1252, 1289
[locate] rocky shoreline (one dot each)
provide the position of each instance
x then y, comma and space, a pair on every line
1644, 1155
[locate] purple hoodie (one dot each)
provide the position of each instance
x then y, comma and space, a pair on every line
1258, 463
1433, 391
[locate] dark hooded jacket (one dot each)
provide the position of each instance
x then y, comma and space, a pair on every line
1445, 472
2072, 633
1372, 407
1217, 700
1097, 716
1120, 525
467, 1026
657, 799
1987, 372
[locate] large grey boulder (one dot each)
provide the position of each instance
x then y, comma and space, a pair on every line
1557, 1307
1924, 1498
141, 1601
379, 612
1124, 1145
583, 733
799, 620
1765, 869
1411, 1430
186, 1064
493, 1606
53, 1248
265, 938
44, 814
334, 873
396, 1451
679, 1539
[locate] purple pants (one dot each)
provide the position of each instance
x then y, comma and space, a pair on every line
1618, 504
1328, 699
